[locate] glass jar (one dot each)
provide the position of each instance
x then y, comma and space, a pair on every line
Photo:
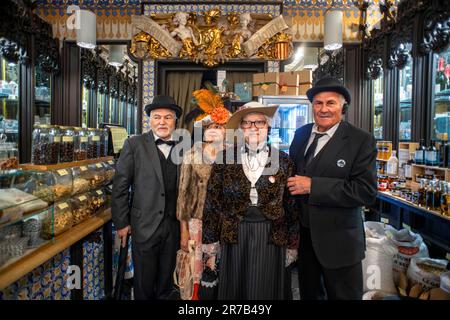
109, 171
66, 147
103, 142
98, 199
81, 208
93, 144
80, 143
61, 220
81, 180
63, 184
9, 156
383, 182
96, 176
38, 183
45, 144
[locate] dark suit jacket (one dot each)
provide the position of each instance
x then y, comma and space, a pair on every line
228, 198
343, 180
138, 168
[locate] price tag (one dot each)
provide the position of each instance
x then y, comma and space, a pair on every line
404, 225
98, 165
57, 139
82, 198
83, 139
63, 205
447, 256
67, 139
83, 168
111, 162
62, 172
99, 192
385, 220
96, 138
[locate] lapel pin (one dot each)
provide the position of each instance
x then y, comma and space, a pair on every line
272, 179
341, 163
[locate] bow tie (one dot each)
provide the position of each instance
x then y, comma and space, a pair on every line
168, 142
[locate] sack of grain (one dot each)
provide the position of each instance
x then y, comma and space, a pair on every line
426, 272
378, 263
409, 245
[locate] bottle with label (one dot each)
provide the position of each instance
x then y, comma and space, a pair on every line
419, 154
408, 168
432, 155
437, 196
429, 201
392, 164
443, 152
422, 193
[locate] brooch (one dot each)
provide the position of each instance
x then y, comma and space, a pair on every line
341, 163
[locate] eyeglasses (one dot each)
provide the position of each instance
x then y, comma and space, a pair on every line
214, 126
158, 117
259, 124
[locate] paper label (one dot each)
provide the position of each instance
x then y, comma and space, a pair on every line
63, 205
83, 139
62, 172
67, 139
82, 198
385, 220
83, 168
96, 138
57, 139
98, 165
111, 162
99, 192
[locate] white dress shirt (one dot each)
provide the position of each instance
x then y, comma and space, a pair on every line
164, 148
322, 141
253, 165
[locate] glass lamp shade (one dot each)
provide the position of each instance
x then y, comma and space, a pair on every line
333, 29
115, 55
87, 30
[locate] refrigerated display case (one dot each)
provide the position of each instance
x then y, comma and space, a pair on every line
293, 112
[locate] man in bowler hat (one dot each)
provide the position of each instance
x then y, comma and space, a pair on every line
336, 176
145, 167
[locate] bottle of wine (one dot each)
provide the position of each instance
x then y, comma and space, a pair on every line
432, 155
419, 154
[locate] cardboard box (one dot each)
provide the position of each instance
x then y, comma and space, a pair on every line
288, 84
260, 88
272, 88
305, 79
257, 79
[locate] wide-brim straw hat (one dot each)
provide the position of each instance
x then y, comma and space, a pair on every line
250, 107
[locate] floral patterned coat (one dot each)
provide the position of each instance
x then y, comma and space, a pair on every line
228, 198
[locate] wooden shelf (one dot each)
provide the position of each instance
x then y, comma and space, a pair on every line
433, 212
66, 165
382, 160
15, 270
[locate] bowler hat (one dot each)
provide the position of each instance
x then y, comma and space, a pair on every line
328, 84
163, 102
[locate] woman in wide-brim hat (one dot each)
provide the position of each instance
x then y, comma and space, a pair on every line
194, 177
249, 213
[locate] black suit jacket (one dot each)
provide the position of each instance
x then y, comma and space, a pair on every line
343, 180
139, 169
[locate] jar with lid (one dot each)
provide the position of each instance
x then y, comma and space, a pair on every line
80, 141
66, 147
383, 183
98, 199
93, 144
59, 221
45, 144
109, 171
9, 156
103, 142
81, 208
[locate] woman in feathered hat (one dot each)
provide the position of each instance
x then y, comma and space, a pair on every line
194, 177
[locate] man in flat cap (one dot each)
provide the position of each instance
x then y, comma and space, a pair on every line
146, 167
336, 177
